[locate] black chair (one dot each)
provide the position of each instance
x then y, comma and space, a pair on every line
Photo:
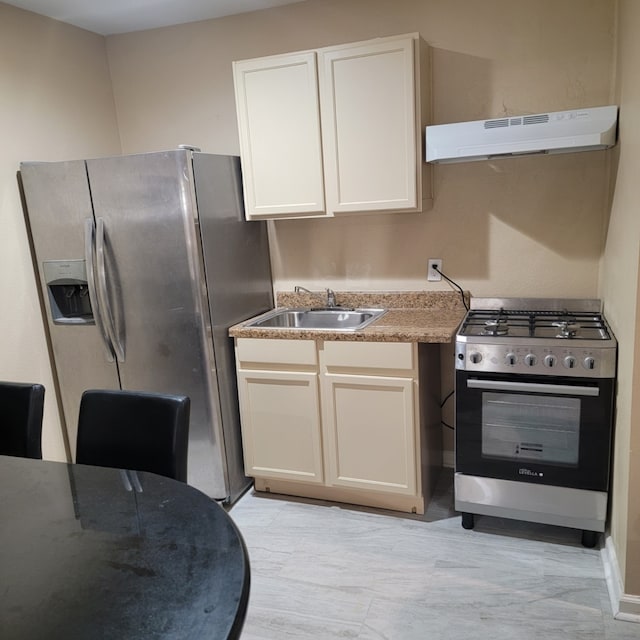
134, 430
21, 407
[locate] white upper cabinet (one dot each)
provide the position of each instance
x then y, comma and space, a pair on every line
279, 126
369, 126
337, 130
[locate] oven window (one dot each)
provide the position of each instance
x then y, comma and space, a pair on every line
527, 427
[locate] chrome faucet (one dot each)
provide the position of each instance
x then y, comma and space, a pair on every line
298, 289
331, 296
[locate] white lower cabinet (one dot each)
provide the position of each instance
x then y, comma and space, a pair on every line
333, 420
370, 416
370, 433
279, 409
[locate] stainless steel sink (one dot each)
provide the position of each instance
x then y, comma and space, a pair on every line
334, 319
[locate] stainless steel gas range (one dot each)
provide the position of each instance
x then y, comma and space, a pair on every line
535, 382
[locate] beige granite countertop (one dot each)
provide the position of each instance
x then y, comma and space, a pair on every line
412, 316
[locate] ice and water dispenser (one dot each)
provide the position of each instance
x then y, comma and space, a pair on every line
68, 291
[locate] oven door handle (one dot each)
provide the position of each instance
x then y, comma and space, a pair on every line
533, 387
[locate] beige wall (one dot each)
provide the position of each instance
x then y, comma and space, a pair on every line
526, 226
621, 295
55, 103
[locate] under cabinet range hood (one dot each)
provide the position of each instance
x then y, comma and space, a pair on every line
554, 132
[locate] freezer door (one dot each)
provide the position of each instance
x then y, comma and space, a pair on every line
58, 203
156, 293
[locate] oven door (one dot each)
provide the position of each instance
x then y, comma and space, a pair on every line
553, 431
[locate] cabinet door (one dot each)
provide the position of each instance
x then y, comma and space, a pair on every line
279, 127
369, 127
281, 425
369, 433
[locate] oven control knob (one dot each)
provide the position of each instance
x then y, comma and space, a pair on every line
569, 362
550, 361
510, 358
530, 360
589, 363
475, 357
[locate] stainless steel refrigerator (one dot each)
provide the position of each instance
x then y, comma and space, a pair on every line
144, 263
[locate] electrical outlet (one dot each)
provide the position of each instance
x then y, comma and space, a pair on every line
432, 274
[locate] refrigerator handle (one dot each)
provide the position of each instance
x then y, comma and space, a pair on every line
93, 293
101, 281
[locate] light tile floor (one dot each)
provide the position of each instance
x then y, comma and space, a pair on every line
322, 570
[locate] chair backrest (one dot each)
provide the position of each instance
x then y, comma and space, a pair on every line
134, 430
21, 407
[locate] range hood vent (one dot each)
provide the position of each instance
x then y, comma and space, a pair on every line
554, 132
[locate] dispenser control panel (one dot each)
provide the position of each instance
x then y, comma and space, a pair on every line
68, 291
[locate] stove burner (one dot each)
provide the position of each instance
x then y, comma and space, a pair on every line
495, 327
567, 329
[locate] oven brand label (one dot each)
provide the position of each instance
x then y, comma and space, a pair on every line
523, 471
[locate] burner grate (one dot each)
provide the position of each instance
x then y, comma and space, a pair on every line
563, 324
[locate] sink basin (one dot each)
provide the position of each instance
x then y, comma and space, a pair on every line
330, 318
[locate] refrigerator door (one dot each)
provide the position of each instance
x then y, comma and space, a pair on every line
236, 257
58, 203
156, 293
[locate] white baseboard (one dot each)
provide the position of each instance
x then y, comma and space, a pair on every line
625, 607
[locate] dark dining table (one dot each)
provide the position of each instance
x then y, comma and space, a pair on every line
93, 553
